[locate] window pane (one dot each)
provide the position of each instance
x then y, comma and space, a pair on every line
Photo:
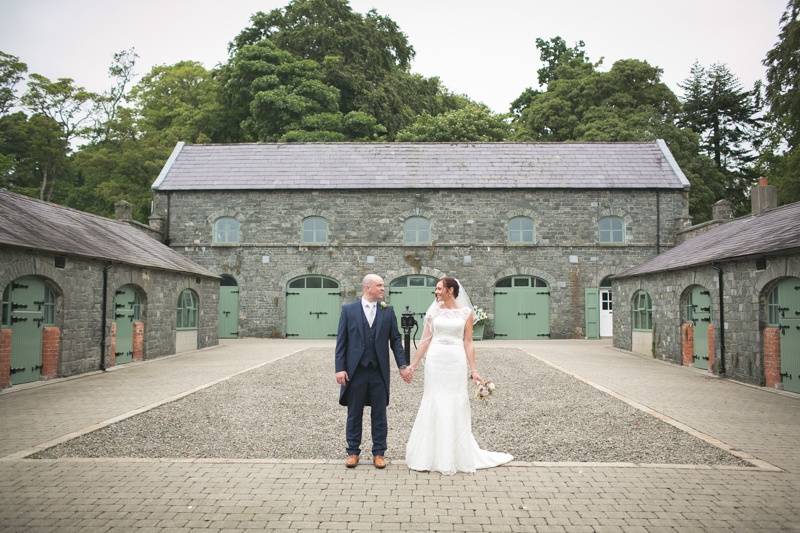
315, 230
49, 311
329, 284
522, 282
416, 282
313, 282
226, 230
611, 230
416, 230
399, 282
5, 304
298, 284
506, 282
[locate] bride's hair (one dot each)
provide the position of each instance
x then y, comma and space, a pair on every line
450, 283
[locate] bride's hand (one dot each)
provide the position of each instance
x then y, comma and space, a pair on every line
476, 378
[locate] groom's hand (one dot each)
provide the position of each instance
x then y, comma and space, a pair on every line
342, 377
406, 374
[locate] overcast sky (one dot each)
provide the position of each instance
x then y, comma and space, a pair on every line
480, 48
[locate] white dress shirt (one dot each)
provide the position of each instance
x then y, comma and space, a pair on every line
369, 310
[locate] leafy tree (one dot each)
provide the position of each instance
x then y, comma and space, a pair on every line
555, 53
471, 123
275, 93
34, 154
179, 102
108, 104
12, 70
69, 105
781, 157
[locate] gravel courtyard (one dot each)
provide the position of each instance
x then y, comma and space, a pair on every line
289, 410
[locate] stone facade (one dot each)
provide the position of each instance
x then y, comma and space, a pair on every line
469, 240
78, 317
745, 288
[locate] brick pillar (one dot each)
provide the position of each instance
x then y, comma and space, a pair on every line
138, 341
111, 358
772, 357
687, 343
51, 349
5, 357
712, 348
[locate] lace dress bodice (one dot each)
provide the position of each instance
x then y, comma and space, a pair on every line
448, 325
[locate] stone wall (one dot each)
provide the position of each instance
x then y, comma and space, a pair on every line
468, 227
745, 289
78, 287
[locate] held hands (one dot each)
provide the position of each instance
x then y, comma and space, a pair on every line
407, 374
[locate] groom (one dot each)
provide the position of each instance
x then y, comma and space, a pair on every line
366, 330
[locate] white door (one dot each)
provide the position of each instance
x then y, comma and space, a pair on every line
606, 313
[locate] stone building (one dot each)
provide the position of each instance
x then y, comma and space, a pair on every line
534, 231
743, 273
75, 285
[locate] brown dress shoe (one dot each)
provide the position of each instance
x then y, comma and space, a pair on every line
379, 461
351, 461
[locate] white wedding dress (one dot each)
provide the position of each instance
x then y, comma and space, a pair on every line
441, 439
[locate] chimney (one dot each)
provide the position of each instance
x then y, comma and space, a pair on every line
123, 210
763, 196
722, 210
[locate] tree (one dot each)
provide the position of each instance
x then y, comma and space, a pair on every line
278, 96
12, 70
179, 102
69, 105
108, 104
473, 123
34, 154
555, 53
780, 159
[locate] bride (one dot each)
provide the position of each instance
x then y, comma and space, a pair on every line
441, 439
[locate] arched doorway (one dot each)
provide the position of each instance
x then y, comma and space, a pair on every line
228, 319
697, 310
28, 306
522, 308
312, 307
127, 311
783, 314
606, 308
414, 292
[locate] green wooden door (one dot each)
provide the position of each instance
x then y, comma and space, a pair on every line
125, 311
592, 313
700, 315
414, 292
27, 301
789, 322
228, 320
313, 304
522, 308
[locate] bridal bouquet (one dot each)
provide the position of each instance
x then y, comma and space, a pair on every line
485, 388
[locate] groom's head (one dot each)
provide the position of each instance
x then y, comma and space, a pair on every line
372, 288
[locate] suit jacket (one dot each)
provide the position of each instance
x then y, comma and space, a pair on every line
350, 342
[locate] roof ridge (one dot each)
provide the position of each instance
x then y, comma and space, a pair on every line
422, 143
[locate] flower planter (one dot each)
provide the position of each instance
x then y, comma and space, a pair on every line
477, 331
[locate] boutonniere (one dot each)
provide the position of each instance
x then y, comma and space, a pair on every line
383, 305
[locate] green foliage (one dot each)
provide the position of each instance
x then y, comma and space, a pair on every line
34, 154
780, 159
12, 71
178, 102
555, 53
472, 123
69, 105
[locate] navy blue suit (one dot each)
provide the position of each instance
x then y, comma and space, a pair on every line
363, 352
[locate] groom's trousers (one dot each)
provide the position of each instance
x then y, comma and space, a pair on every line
366, 386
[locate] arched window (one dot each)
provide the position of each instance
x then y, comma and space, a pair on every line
315, 230
417, 230
187, 310
521, 281
49, 307
642, 311
612, 230
226, 230
520, 230
773, 308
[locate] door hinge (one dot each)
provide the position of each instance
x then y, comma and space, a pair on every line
292, 293
543, 335
292, 334
543, 292
331, 334
501, 334
500, 292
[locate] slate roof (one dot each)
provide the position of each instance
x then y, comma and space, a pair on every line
29, 223
420, 165
769, 232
